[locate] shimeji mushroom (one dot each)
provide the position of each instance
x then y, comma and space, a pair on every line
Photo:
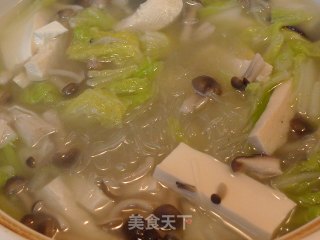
260, 166
17, 187
205, 88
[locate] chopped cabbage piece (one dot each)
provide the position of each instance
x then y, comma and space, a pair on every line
41, 93
155, 44
287, 17
129, 86
300, 183
94, 17
213, 7
103, 76
95, 105
10, 164
93, 43
6, 172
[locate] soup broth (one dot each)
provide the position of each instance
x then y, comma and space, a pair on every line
89, 107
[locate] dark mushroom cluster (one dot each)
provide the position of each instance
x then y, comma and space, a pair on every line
37, 220
63, 159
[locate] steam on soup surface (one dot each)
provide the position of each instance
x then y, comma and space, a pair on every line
95, 94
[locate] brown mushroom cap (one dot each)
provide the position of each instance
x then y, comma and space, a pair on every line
206, 86
70, 89
166, 211
15, 185
42, 223
67, 158
300, 126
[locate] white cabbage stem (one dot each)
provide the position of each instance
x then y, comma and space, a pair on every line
152, 15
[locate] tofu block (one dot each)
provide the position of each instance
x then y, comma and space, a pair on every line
48, 32
22, 80
254, 208
271, 130
37, 67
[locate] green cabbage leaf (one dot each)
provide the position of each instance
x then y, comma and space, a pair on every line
44, 93
95, 106
301, 183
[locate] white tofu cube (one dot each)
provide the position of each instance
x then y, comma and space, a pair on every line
48, 32
271, 130
37, 67
254, 208
22, 80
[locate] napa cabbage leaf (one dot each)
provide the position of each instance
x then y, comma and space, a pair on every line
301, 183
95, 106
41, 93
129, 82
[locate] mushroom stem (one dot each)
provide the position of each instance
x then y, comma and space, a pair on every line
255, 67
260, 166
193, 103
190, 19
